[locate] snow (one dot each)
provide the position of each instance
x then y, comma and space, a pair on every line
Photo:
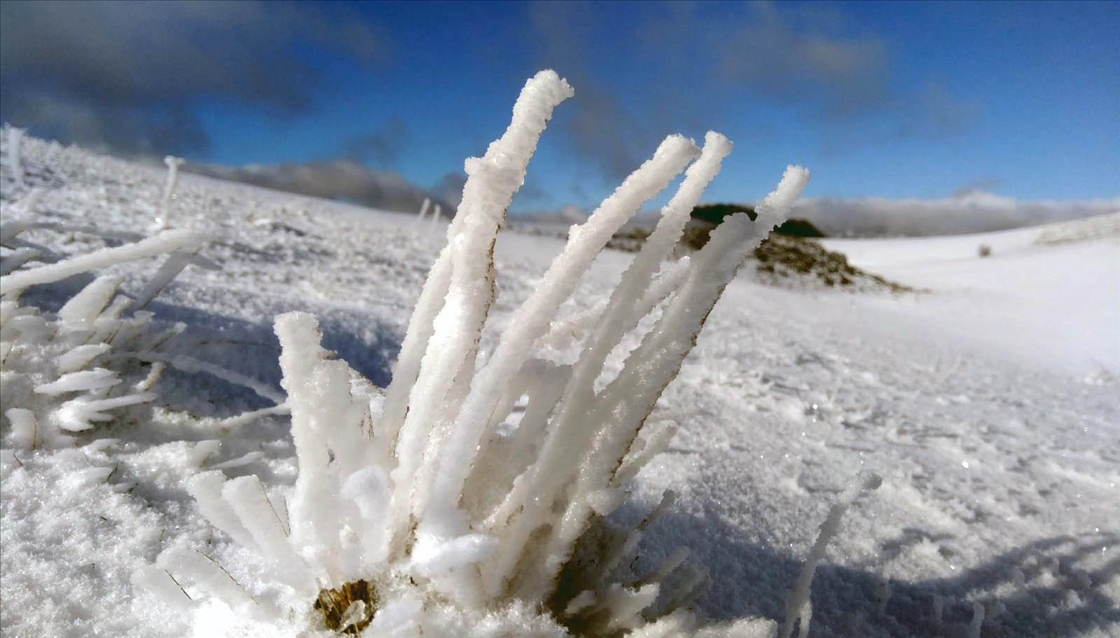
1056, 287
989, 405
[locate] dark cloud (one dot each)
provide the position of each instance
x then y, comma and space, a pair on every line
977, 185
970, 211
598, 126
450, 189
77, 70
810, 59
531, 193
788, 57
379, 148
339, 179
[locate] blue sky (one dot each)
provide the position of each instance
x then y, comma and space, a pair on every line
878, 99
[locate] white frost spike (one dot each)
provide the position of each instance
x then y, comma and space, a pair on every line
159, 583
167, 241
25, 427
173, 177
798, 599
198, 571
621, 409
18, 258
430, 557
80, 414
15, 141
82, 381
625, 605
172, 266
314, 527
424, 209
773, 210
206, 489
247, 498
85, 306
80, 356
491, 184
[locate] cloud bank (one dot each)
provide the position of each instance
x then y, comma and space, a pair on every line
970, 211
337, 179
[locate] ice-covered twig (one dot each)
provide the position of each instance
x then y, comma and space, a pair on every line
798, 599
173, 163
165, 242
15, 142
491, 183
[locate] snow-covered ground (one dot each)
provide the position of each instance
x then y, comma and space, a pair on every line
989, 404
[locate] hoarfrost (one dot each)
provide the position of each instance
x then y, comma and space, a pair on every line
421, 514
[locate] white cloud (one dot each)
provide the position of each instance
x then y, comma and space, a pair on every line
969, 211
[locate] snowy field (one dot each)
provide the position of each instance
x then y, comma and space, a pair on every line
989, 404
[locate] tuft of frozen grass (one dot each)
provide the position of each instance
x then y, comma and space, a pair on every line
416, 511
96, 358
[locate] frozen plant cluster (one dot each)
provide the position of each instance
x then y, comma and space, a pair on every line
425, 508
68, 370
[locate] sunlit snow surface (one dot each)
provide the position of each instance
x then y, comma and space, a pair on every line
990, 405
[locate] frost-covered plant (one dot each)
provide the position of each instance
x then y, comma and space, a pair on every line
420, 509
173, 164
66, 371
15, 142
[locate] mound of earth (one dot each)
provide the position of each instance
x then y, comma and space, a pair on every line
784, 259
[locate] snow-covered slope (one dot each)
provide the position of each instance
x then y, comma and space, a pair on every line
989, 405
1050, 294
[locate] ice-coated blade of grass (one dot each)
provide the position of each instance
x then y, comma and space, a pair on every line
171, 267
491, 183
798, 599
314, 524
165, 242
87, 305
548, 89
15, 142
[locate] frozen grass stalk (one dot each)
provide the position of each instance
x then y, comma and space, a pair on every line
173, 164
416, 510
15, 141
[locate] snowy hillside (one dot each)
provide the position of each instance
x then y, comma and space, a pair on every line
989, 404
